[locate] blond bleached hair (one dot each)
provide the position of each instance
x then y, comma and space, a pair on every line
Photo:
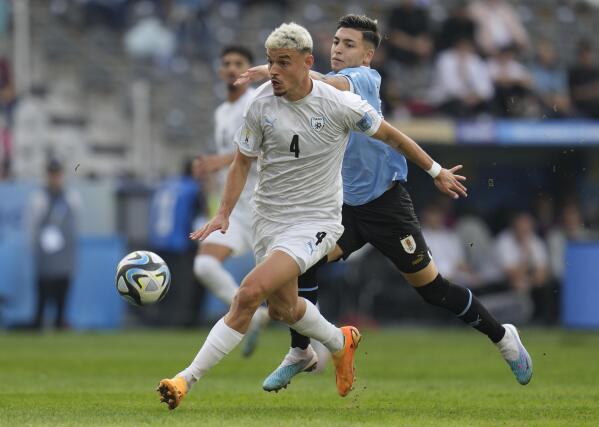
290, 36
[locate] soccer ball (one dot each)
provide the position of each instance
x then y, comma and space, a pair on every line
142, 278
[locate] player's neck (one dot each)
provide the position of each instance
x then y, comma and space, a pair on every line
302, 91
233, 94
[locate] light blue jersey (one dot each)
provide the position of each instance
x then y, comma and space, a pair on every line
369, 165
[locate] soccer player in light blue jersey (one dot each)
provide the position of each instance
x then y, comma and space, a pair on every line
377, 209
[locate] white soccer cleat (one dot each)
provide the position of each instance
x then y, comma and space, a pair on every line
515, 354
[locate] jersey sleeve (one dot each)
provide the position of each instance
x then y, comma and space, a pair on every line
249, 135
360, 82
359, 116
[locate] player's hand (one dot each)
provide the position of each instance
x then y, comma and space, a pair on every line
451, 184
254, 74
219, 222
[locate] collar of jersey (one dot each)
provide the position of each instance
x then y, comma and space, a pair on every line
301, 100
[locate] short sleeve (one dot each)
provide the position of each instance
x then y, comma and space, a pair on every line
359, 116
359, 81
249, 135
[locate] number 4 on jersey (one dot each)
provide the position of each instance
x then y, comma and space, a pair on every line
294, 147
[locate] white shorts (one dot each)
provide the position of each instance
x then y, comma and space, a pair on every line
307, 242
239, 235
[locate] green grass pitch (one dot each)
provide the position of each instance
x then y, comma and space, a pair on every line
406, 377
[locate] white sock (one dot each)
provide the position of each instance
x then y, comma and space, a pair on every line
215, 277
296, 354
260, 318
220, 341
314, 325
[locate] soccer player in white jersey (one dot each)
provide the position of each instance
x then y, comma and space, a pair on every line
298, 128
217, 247
377, 209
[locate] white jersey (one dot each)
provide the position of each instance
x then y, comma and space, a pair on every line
300, 147
228, 118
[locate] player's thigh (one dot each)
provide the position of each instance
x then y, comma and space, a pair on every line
392, 227
274, 272
352, 239
308, 242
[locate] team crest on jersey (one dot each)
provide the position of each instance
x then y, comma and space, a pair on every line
317, 123
409, 244
365, 123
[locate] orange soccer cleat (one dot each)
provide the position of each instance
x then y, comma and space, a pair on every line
172, 391
344, 360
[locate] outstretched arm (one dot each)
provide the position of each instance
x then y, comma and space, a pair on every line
445, 179
260, 73
212, 163
238, 173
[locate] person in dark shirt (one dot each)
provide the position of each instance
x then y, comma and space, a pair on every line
409, 40
458, 26
583, 81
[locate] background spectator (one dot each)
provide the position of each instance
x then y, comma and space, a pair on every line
583, 80
513, 84
497, 26
410, 39
523, 258
446, 246
459, 25
550, 81
54, 224
462, 84
570, 228
174, 209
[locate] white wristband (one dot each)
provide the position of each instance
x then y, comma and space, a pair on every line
435, 170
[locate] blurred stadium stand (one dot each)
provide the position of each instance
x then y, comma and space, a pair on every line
122, 116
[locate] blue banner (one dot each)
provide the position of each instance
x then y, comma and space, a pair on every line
529, 132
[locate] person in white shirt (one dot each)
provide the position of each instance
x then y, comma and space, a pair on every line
216, 248
298, 128
498, 26
446, 247
522, 254
462, 84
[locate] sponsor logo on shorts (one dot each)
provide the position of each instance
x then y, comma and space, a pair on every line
311, 247
409, 244
317, 123
419, 259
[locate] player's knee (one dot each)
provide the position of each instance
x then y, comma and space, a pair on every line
203, 265
281, 313
275, 313
251, 293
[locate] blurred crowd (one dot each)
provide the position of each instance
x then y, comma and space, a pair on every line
478, 58
523, 263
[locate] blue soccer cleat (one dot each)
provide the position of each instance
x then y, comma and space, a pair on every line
296, 361
515, 354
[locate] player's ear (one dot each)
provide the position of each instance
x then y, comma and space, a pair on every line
309, 60
369, 55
